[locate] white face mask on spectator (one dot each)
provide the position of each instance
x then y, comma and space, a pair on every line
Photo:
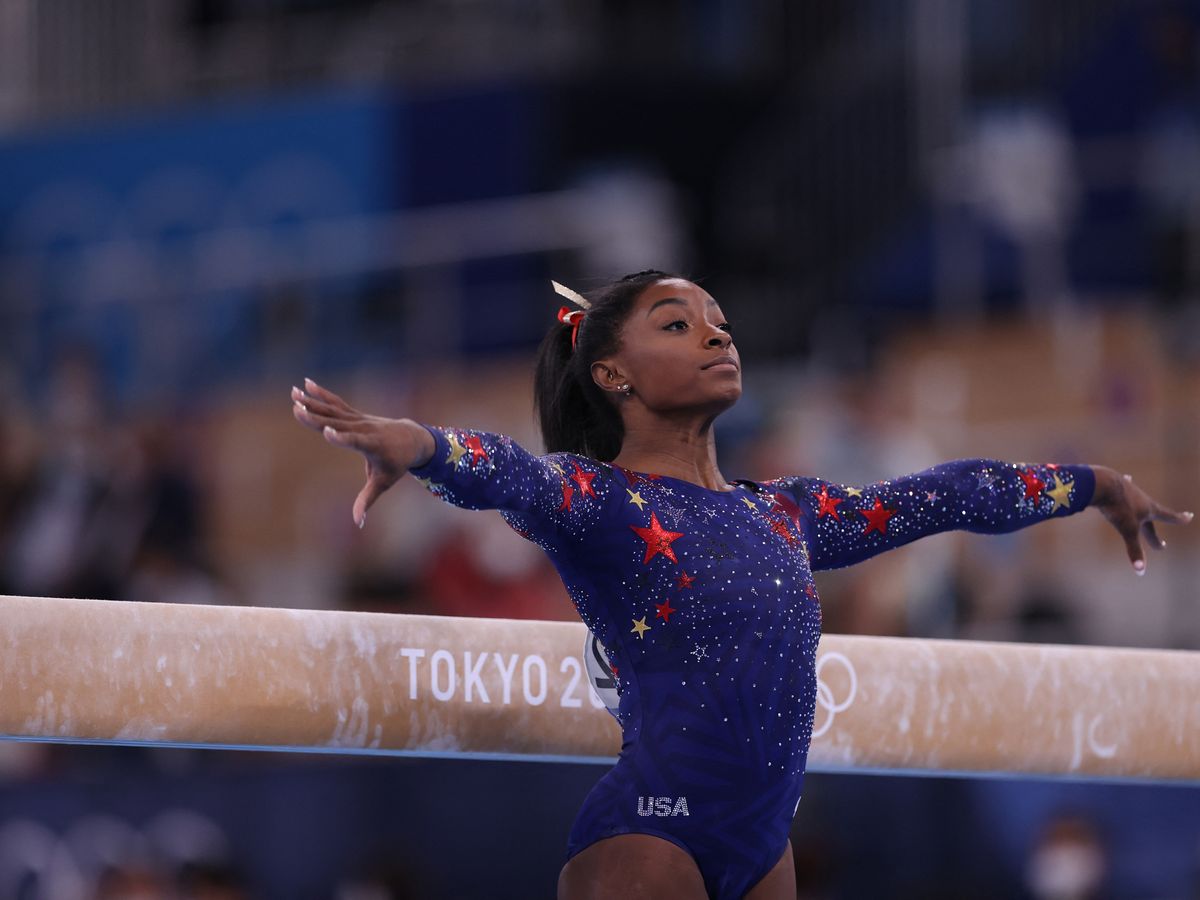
1065, 871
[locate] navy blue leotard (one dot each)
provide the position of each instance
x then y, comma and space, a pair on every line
705, 602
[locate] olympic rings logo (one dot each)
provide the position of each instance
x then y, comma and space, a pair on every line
825, 696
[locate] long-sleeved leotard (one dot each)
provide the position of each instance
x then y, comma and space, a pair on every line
706, 605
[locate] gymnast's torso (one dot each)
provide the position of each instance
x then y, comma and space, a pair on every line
705, 602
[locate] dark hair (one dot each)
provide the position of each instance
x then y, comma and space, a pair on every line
575, 415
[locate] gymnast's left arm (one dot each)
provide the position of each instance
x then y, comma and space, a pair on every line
845, 525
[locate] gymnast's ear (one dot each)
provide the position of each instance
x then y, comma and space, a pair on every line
607, 375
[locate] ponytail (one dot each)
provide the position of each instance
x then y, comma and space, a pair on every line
575, 415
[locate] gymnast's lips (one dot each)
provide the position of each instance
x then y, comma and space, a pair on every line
723, 359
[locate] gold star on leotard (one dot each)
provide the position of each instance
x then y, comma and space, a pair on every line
1061, 494
457, 450
640, 626
424, 482
750, 503
635, 497
854, 492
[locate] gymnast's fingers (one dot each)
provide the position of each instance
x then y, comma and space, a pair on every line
1133, 546
301, 415
328, 396
314, 404
318, 422
309, 420
351, 440
1162, 514
371, 491
1152, 537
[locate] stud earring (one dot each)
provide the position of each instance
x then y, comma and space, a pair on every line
625, 389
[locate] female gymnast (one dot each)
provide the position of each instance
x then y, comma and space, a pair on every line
700, 588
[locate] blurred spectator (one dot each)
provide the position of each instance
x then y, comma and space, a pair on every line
59, 539
1068, 861
485, 569
636, 221
1169, 174
132, 883
1025, 182
1044, 616
100, 508
170, 563
18, 459
210, 881
385, 879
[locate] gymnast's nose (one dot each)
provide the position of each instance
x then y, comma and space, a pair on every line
720, 339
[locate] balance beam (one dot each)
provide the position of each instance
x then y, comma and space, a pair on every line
347, 682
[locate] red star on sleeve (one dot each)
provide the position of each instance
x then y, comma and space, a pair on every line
664, 611
567, 492
780, 527
1033, 484
475, 446
584, 480
658, 540
877, 517
684, 580
828, 504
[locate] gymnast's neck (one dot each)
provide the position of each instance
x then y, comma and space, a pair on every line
681, 446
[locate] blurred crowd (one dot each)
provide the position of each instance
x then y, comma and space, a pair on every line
962, 840
178, 854
97, 504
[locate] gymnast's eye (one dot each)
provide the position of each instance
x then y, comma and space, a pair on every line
728, 326
673, 324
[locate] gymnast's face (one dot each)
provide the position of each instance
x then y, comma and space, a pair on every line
676, 352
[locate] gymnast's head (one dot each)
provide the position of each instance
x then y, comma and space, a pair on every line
662, 336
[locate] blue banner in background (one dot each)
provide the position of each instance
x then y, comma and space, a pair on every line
322, 154
103, 230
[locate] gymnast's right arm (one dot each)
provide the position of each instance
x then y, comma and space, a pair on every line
471, 469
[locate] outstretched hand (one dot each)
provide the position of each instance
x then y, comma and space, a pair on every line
1133, 513
390, 446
